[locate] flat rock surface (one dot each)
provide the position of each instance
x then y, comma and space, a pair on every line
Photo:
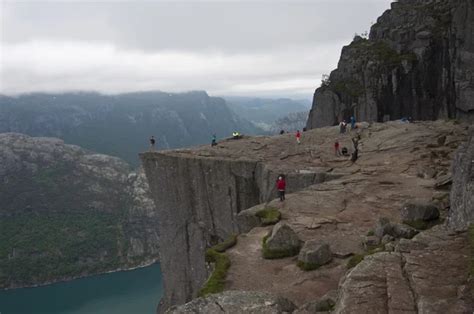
341, 211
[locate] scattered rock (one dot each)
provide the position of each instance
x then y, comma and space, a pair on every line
419, 211
387, 239
384, 227
236, 302
282, 242
314, 254
247, 219
325, 304
370, 242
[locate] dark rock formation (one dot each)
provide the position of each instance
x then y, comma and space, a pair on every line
66, 212
461, 213
417, 62
419, 211
238, 302
385, 227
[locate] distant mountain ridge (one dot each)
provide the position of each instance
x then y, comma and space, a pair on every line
120, 125
265, 112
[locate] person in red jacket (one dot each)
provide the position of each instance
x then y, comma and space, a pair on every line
281, 186
298, 137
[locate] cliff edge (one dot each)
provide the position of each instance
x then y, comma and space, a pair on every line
200, 192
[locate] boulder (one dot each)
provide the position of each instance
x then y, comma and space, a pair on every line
247, 219
385, 227
419, 211
370, 242
314, 254
236, 302
282, 242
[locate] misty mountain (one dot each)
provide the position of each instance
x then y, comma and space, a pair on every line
120, 125
264, 112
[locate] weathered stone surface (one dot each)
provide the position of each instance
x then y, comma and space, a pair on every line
283, 238
324, 305
376, 285
419, 211
247, 219
428, 274
238, 302
385, 227
416, 63
198, 195
315, 253
370, 242
461, 213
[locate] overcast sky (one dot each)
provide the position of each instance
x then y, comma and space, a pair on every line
260, 48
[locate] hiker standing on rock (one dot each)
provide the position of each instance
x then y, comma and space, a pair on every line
214, 140
298, 137
353, 123
281, 186
336, 149
152, 143
342, 127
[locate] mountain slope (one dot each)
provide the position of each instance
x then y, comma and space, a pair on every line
66, 212
120, 125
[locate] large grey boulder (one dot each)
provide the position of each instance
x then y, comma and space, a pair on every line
283, 238
236, 302
461, 213
419, 211
314, 254
248, 219
385, 227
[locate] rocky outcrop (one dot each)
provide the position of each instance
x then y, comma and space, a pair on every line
238, 302
314, 254
198, 195
66, 212
461, 212
410, 279
416, 62
419, 211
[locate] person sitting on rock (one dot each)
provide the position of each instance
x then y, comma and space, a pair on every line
282, 132
236, 135
345, 152
281, 186
342, 127
152, 143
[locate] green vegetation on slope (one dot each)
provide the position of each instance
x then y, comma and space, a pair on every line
40, 248
221, 261
269, 216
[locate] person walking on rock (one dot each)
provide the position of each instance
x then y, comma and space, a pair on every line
214, 140
281, 186
152, 143
298, 137
336, 149
353, 123
342, 127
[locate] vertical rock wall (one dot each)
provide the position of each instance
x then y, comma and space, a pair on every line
197, 200
417, 62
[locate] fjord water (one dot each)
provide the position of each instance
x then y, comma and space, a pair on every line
136, 291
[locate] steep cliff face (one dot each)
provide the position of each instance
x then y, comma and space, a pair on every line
198, 194
417, 62
66, 212
461, 213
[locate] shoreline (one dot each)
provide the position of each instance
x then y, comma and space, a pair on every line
67, 279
